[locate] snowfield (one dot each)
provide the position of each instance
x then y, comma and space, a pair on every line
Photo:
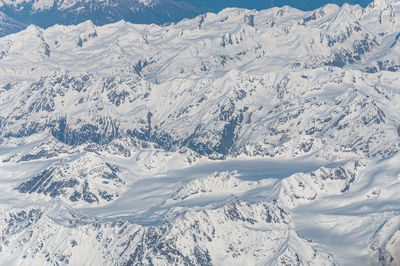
239, 138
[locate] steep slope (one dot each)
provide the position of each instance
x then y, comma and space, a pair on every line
9, 25
254, 42
261, 137
189, 239
71, 181
230, 115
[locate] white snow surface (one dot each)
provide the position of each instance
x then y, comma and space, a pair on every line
244, 137
38, 5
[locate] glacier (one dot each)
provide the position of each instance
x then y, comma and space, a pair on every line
250, 137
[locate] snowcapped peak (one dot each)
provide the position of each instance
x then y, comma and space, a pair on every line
284, 11
146, 2
87, 29
87, 24
389, 1
277, 109
352, 9
382, 4
57, 206
47, 13
43, 4
33, 29
233, 11
36, 4
349, 13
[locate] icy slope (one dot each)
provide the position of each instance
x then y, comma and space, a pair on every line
238, 233
236, 113
336, 206
251, 41
56, 181
266, 137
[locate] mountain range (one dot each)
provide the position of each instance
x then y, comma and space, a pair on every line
261, 137
16, 15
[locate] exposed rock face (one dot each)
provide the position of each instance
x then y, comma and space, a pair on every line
243, 137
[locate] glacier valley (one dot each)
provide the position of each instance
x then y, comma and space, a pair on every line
240, 138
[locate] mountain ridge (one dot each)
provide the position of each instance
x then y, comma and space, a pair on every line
267, 137
46, 13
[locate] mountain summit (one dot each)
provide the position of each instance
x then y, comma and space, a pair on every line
16, 15
242, 137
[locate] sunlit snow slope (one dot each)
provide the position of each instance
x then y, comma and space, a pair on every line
244, 137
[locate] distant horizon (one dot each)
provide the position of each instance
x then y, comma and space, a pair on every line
15, 18
305, 5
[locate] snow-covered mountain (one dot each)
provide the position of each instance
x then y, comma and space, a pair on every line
16, 15
259, 137
306, 5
